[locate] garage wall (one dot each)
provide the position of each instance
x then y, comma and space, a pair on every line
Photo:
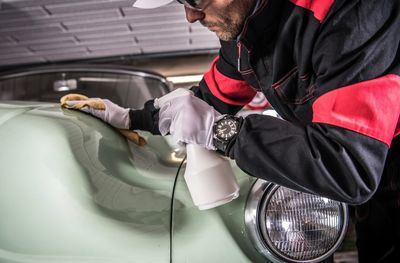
47, 31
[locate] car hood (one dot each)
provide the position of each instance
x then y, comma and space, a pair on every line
71, 184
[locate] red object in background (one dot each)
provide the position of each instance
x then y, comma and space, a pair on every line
259, 102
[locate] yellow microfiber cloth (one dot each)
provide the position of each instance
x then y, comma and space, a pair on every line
100, 105
94, 103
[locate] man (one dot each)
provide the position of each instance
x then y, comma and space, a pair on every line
331, 69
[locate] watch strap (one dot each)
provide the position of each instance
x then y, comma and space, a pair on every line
223, 146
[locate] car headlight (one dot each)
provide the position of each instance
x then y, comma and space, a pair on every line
291, 226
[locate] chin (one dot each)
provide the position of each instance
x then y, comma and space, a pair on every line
225, 36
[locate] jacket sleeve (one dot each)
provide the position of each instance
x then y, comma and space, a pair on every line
223, 86
341, 153
145, 119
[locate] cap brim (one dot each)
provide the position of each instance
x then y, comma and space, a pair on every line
148, 4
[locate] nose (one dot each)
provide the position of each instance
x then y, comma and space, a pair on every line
193, 15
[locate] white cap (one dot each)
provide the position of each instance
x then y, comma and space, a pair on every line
147, 4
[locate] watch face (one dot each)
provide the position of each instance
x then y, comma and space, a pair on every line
226, 129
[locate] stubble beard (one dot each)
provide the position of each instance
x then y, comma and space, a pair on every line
232, 22
225, 31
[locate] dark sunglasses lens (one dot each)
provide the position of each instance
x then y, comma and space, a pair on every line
190, 3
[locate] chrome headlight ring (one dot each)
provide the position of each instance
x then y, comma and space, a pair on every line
290, 226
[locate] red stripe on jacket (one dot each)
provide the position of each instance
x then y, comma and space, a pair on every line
320, 8
371, 108
228, 90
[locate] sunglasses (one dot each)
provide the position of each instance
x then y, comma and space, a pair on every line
192, 4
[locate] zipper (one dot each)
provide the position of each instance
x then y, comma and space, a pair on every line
239, 46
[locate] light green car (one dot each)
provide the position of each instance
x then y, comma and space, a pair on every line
73, 189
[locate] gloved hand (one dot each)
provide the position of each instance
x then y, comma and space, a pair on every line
105, 110
101, 108
187, 118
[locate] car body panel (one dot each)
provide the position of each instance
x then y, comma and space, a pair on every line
74, 190
85, 194
221, 228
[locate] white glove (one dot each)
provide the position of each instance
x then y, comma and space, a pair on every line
104, 109
187, 118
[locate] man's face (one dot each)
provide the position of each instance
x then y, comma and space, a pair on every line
224, 17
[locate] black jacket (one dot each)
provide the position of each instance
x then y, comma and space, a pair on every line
331, 69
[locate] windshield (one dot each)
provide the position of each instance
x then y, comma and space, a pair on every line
124, 89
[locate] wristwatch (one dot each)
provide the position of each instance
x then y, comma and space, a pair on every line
225, 131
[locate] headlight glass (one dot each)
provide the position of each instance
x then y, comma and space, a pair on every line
295, 226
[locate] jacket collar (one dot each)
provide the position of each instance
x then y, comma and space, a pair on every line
263, 21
